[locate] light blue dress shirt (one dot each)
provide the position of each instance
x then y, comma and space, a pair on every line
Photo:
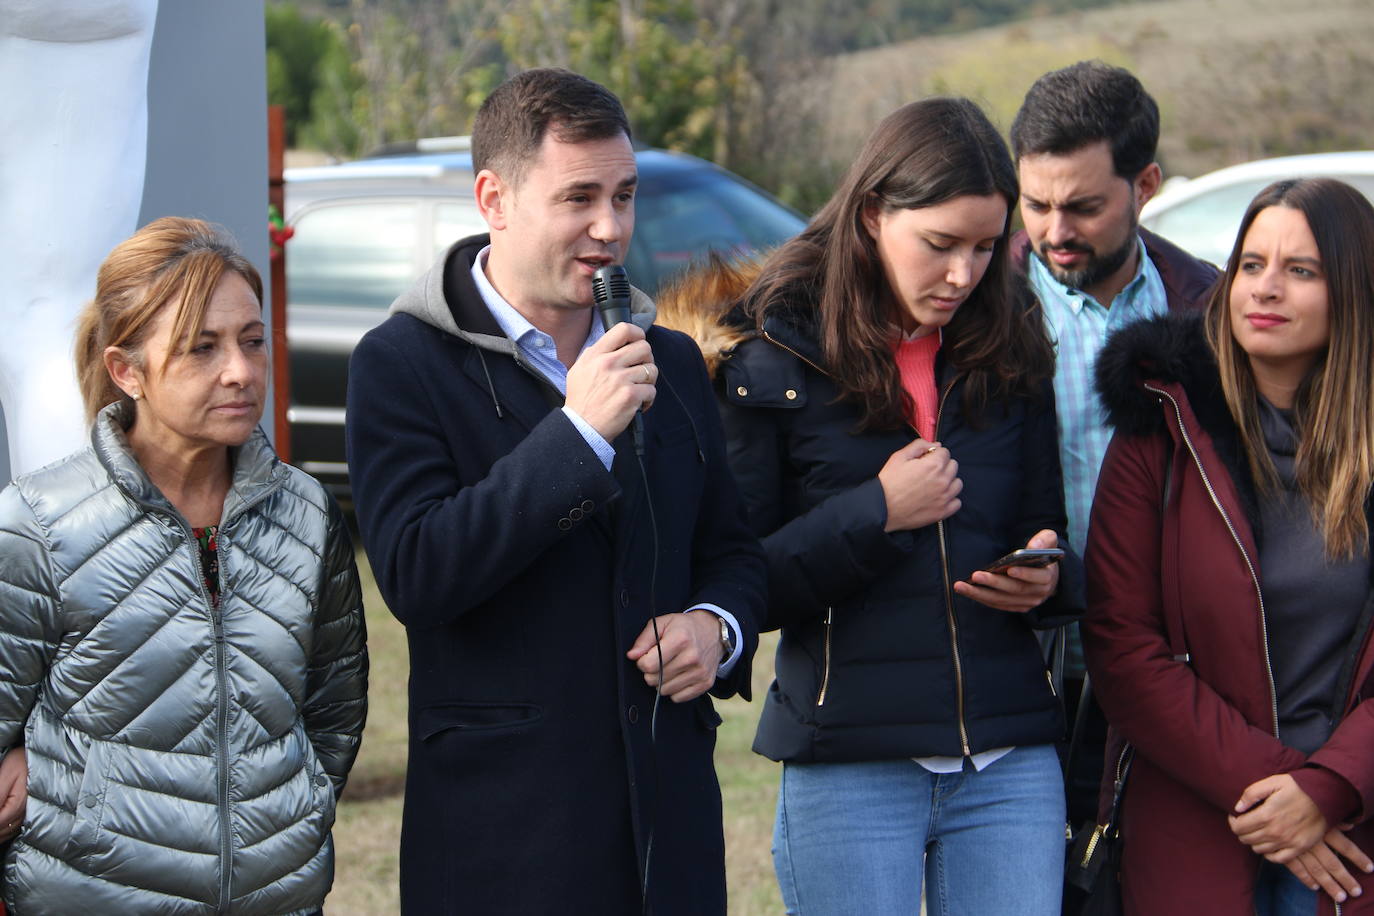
1079, 325
542, 354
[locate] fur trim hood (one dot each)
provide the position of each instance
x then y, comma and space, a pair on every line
705, 305
702, 304
1171, 353
1168, 350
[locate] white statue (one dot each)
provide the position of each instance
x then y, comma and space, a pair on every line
74, 118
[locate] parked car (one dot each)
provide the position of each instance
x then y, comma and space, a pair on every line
1203, 214
365, 230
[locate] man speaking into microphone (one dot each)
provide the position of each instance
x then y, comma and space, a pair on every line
553, 576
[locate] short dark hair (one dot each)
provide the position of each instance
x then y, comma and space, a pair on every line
511, 124
1066, 110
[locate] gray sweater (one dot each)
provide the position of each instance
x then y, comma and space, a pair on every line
1311, 605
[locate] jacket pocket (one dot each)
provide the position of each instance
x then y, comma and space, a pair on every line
442, 718
319, 785
323, 788
90, 804
706, 713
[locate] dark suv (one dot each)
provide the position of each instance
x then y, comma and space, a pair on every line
365, 230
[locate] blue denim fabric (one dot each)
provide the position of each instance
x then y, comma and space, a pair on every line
1278, 892
849, 838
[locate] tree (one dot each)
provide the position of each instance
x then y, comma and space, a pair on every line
304, 57
654, 54
746, 83
727, 80
425, 65
334, 124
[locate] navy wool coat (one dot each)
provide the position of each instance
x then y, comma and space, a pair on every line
523, 571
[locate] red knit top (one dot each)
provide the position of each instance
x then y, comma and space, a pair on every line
916, 363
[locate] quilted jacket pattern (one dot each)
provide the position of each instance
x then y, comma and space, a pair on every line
182, 758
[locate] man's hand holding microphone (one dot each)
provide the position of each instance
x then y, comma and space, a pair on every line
609, 385
613, 380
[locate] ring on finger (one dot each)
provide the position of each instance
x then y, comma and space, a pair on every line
648, 376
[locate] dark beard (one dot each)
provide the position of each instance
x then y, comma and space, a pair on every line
1097, 269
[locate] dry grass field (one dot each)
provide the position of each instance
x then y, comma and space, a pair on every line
367, 833
1235, 79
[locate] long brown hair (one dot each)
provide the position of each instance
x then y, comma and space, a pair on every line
168, 259
1334, 408
923, 154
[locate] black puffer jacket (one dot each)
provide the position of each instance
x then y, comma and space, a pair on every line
879, 657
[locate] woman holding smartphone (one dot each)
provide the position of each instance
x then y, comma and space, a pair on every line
1232, 519
886, 396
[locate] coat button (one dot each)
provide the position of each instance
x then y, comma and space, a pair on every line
564, 524
742, 391
90, 801
588, 505
791, 394
632, 714
624, 597
575, 514
321, 781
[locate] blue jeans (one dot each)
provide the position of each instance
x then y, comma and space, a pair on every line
859, 838
1279, 893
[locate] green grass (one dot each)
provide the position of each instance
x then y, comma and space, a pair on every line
367, 833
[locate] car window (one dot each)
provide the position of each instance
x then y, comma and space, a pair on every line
1207, 224
454, 221
679, 218
352, 254
1364, 183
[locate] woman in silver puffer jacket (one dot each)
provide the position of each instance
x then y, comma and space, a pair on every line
182, 661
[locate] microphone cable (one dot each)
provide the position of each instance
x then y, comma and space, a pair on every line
653, 619
611, 294
658, 687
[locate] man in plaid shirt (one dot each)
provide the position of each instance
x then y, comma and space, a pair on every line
1084, 142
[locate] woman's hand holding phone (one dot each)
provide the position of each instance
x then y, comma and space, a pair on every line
1017, 589
921, 485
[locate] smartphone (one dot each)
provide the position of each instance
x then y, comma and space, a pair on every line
1027, 556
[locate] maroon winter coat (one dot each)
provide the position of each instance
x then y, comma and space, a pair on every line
1203, 729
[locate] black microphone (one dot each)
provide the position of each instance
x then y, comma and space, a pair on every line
611, 295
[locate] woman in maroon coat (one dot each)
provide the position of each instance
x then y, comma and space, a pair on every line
1229, 573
